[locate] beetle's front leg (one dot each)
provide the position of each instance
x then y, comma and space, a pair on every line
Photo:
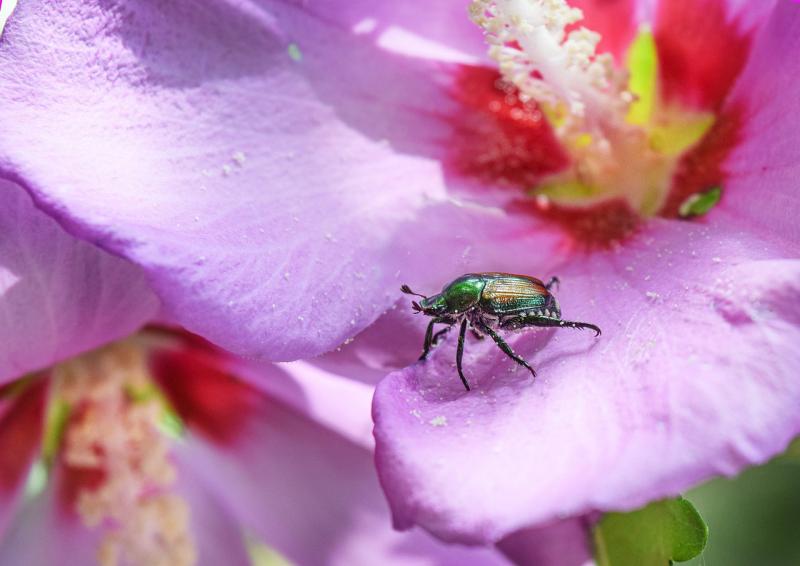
460, 352
429, 338
553, 281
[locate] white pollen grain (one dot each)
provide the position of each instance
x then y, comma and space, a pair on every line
441, 420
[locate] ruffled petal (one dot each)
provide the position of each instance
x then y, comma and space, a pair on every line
256, 161
693, 376
59, 296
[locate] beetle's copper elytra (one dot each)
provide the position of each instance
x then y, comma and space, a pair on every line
489, 302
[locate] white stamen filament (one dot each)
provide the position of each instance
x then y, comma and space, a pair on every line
116, 433
528, 40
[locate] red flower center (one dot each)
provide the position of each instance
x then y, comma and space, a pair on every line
673, 151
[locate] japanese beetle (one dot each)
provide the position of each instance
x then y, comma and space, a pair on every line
489, 302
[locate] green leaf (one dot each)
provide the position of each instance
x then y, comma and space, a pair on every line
753, 517
655, 535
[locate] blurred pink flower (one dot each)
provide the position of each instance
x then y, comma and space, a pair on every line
159, 448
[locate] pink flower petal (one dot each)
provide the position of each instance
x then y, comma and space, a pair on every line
255, 161
42, 534
428, 29
565, 543
615, 20
309, 492
217, 534
692, 377
697, 68
59, 296
761, 189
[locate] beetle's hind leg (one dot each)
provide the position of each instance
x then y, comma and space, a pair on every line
553, 281
460, 352
558, 323
541, 321
581, 325
503, 345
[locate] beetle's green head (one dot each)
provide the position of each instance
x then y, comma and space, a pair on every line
457, 297
431, 306
435, 305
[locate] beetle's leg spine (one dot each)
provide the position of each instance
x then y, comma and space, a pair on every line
503, 345
460, 352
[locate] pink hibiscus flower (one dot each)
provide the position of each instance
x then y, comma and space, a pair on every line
607, 182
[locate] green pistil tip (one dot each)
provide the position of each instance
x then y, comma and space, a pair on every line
642, 63
172, 425
294, 52
263, 555
700, 203
58, 412
37, 480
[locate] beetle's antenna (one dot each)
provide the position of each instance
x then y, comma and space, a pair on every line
407, 290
